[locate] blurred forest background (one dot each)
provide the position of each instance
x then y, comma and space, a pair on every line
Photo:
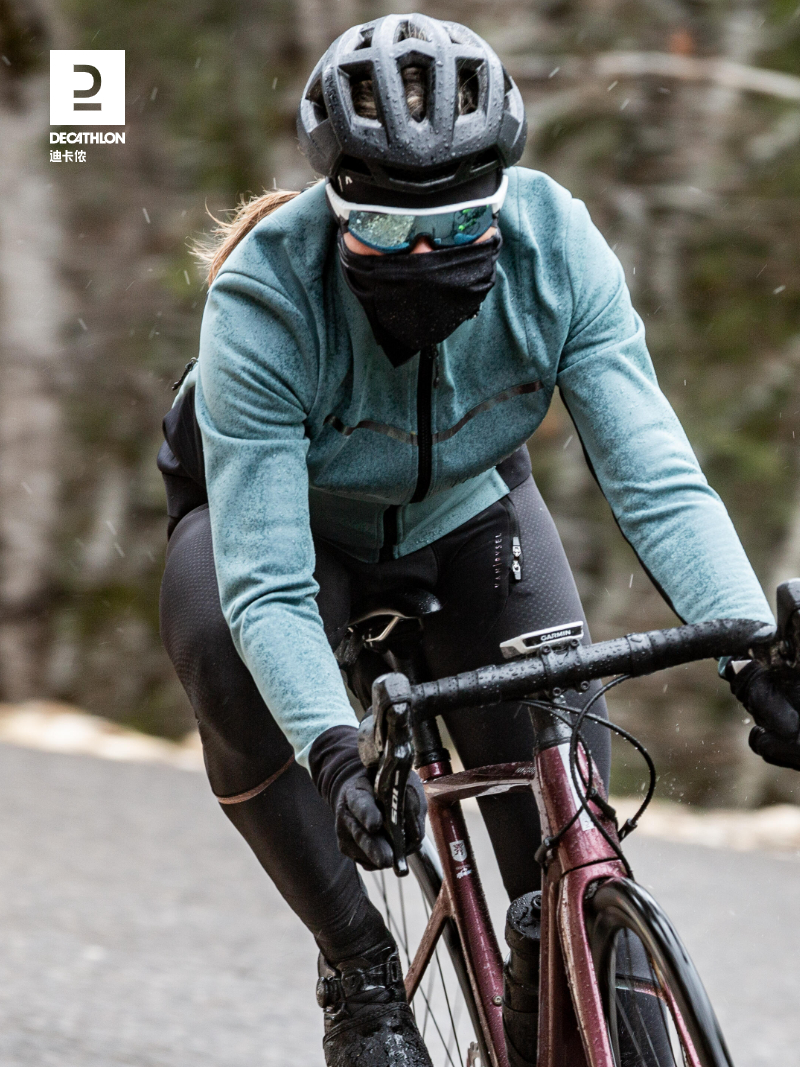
677, 121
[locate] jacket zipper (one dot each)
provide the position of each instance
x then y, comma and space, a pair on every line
425, 386
516, 545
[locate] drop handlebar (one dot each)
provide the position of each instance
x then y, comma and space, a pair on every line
567, 668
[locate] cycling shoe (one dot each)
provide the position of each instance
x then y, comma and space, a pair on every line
368, 1022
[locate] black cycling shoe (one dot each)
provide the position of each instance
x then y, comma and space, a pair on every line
368, 1022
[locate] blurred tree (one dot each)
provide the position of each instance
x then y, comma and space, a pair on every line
33, 302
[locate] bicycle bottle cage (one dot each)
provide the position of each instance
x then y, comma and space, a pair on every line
570, 634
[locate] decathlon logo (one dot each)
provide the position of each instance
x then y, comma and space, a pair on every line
87, 87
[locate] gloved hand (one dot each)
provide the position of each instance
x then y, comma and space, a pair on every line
346, 784
772, 697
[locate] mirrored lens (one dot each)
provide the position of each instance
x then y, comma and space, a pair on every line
395, 233
384, 232
470, 223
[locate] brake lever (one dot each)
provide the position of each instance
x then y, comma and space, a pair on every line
391, 708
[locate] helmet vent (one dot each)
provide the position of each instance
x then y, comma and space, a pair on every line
415, 83
363, 98
408, 31
366, 39
314, 94
469, 89
508, 85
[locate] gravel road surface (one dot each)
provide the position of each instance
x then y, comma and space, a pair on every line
136, 928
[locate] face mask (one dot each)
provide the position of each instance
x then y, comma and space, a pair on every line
415, 300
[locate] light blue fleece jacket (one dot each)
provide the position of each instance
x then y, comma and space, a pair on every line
307, 426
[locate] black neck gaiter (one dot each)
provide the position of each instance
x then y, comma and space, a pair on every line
414, 300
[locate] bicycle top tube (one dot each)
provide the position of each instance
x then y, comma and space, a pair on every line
567, 668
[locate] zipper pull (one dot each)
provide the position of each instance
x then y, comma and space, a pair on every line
516, 561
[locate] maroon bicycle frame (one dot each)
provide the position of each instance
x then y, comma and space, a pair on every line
572, 1027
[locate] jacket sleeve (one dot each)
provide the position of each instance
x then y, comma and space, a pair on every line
257, 380
645, 466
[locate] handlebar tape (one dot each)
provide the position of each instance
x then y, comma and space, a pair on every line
566, 668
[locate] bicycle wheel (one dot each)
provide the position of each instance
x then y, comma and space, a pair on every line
656, 1009
444, 1005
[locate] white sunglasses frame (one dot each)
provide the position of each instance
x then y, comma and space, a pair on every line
342, 208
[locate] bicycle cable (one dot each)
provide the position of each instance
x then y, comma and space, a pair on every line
591, 794
584, 787
575, 770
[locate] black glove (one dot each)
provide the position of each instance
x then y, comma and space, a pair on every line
772, 697
346, 784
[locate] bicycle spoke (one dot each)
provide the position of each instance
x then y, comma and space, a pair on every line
382, 880
438, 1030
438, 993
391, 922
431, 980
620, 1010
642, 1028
405, 923
447, 1002
636, 998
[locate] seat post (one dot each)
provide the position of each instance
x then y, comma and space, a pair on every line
406, 656
399, 645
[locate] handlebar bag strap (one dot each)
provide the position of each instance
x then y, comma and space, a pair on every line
181, 462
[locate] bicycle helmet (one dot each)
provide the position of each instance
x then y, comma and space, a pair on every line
465, 125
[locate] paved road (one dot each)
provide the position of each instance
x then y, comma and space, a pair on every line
136, 929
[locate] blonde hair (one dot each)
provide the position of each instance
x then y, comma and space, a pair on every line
212, 251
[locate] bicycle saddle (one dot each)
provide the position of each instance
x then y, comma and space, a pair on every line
398, 604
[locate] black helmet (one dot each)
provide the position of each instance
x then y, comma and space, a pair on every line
469, 123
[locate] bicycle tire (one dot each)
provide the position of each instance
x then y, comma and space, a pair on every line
656, 1009
427, 874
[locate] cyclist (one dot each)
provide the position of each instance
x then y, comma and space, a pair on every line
375, 352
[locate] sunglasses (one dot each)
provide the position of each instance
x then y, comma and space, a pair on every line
395, 229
